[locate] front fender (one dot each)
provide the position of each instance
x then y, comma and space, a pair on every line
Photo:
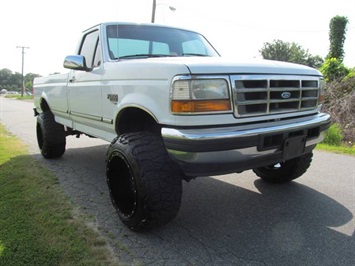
151, 105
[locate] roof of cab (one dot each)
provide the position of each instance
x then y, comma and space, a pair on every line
134, 24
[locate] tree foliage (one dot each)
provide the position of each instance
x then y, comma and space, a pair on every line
289, 52
337, 30
12, 81
333, 70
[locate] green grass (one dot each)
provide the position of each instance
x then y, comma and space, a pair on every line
18, 97
336, 149
333, 141
38, 224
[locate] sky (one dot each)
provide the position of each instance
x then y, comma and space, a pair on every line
236, 28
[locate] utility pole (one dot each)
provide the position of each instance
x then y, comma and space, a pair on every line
23, 61
155, 7
153, 10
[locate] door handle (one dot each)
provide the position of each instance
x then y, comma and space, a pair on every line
72, 80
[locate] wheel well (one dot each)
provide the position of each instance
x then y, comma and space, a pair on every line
44, 105
134, 120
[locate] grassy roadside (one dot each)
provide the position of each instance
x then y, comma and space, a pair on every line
19, 97
336, 149
38, 224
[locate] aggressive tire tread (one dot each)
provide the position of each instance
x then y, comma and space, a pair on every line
158, 180
50, 136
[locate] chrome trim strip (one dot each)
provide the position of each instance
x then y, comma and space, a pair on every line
237, 132
91, 117
107, 120
60, 111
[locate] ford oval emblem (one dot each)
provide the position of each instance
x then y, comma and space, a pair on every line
286, 95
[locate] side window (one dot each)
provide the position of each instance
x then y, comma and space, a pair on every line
89, 47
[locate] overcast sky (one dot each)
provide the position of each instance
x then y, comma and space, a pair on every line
236, 28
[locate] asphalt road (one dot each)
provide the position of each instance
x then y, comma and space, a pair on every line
232, 219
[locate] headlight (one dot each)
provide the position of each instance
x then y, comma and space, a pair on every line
209, 89
200, 95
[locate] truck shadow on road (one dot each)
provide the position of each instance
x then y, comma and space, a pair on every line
219, 223
279, 225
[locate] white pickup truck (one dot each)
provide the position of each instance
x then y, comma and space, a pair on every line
173, 109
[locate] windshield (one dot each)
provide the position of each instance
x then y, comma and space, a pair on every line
137, 41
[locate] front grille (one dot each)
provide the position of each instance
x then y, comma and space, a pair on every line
264, 95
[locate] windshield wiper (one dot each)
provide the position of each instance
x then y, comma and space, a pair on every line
194, 54
144, 56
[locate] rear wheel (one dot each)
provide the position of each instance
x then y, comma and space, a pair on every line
285, 171
50, 136
145, 185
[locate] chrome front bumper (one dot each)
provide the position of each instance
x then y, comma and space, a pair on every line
213, 151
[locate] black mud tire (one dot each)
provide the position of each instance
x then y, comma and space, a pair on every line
145, 185
51, 137
285, 171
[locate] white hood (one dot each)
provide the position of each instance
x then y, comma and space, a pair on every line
220, 65
168, 67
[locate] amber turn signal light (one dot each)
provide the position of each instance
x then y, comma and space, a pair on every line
200, 106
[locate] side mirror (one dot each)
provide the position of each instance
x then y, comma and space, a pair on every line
75, 62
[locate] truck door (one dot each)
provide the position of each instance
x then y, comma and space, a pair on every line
84, 94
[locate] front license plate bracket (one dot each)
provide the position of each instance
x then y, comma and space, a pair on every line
294, 147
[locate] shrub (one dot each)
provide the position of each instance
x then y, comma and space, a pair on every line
333, 70
351, 73
334, 135
340, 104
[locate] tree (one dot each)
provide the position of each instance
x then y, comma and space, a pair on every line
29, 80
337, 30
12, 81
289, 52
315, 61
5, 76
333, 70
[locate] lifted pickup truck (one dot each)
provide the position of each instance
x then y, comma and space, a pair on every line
173, 109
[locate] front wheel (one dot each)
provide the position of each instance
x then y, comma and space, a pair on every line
145, 185
285, 171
